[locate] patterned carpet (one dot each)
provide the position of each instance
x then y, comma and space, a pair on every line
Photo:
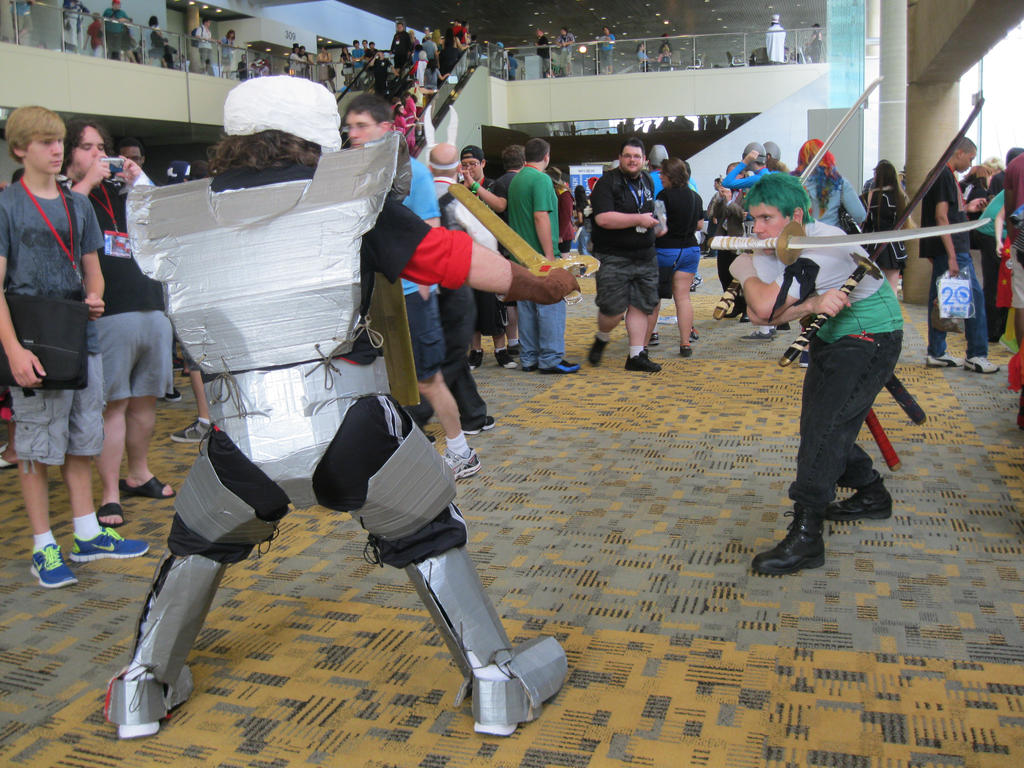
617, 511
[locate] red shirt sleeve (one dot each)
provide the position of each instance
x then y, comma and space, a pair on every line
443, 256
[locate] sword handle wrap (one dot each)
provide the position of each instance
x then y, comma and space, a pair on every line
804, 340
728, 301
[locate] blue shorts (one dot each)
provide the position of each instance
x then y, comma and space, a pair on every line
428, 347
680, 259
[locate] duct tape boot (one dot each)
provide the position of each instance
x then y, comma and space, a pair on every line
157, 679
509, 685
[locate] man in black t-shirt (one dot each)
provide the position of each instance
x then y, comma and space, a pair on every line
623, 235
401, 47
135, 335
544, 51
944, 204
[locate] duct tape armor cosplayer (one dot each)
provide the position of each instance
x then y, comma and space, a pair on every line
264, 289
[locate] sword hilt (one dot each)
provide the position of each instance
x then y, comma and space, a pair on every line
726, 304
804, 339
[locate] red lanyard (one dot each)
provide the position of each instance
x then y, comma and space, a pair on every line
71, 233
108, 207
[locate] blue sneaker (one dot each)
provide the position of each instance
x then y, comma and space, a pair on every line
563, 367
49, 567
109, 543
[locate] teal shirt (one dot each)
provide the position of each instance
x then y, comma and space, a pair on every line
531, 190
989, 216
878, 313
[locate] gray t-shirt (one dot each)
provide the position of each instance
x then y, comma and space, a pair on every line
430, 49
36, 263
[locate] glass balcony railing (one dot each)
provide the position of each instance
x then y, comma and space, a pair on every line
90, 34
650, 54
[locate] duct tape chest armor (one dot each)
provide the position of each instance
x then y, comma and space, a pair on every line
263, 288
265, 276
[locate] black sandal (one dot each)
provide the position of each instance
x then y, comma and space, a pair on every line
151, 489
111, 509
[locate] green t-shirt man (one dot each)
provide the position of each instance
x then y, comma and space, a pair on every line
531, 190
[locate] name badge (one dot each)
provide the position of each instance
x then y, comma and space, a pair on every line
117, 244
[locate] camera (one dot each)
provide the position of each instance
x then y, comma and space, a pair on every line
116, 164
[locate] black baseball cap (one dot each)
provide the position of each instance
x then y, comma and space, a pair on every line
471, 150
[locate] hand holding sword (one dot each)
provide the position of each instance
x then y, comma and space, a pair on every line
521, 251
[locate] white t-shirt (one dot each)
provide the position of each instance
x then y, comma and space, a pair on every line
835, 265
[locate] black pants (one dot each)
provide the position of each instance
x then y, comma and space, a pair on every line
458, 320
725, 260
840, 386
996, 316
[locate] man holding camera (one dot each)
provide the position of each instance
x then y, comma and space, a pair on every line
134, 333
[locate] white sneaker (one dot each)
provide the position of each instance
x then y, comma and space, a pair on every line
943, 361
980, 365
463, 466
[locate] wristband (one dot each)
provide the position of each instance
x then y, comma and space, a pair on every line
475, 189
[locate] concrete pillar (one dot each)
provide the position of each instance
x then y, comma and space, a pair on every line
192, 21
892, 117
932, 122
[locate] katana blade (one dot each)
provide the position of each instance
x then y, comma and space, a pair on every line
837, 130
837, 241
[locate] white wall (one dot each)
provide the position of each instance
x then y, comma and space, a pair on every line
686, 92
334, 21
88, 85
785, 123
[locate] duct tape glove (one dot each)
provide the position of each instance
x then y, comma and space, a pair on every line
551, 288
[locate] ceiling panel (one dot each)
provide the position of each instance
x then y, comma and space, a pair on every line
515, 23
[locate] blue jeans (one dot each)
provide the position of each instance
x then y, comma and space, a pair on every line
842, 381
541, 333
975, 328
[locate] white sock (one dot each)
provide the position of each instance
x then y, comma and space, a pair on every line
602, 336
42, 540
634, 351
87, 527
513, 342
204, 422
498, 349
458, 445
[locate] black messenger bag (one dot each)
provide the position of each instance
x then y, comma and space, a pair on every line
54, 331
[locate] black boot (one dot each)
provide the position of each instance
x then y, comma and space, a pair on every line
803, 546
871, 501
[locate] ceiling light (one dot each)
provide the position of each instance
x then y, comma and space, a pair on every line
583, 49
665, 22
219, 10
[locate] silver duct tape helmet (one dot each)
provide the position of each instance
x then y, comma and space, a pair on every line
225, 243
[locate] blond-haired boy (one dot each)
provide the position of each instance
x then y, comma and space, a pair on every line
48, 242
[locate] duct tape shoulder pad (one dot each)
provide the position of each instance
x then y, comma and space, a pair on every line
288, 254
411, 489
